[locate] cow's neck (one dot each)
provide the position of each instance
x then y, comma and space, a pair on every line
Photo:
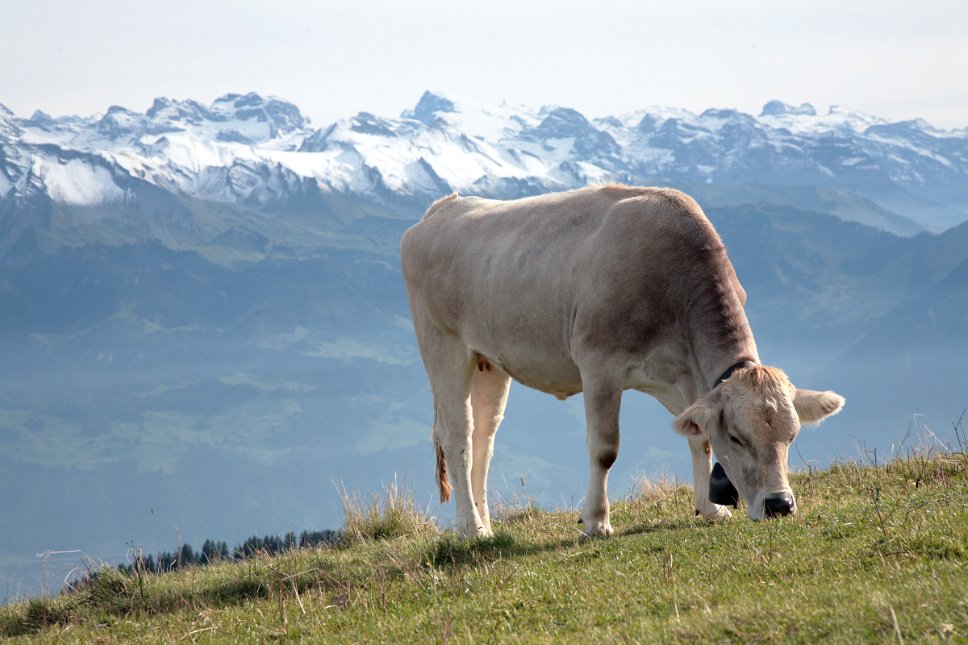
719, 336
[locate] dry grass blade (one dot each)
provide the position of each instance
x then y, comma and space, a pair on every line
375, 517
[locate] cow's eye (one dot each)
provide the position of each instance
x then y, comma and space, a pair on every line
733, 438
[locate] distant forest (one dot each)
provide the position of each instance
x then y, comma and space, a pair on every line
213, 551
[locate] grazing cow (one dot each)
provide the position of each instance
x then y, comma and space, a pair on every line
598, 291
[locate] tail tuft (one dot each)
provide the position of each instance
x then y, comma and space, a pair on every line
442, 484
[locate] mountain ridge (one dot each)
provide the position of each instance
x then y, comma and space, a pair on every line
262, 153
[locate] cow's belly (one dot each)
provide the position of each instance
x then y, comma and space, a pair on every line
560, 385
543, 368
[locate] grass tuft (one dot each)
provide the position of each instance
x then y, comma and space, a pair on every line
527, 514
393, 516
43, 613
109, 590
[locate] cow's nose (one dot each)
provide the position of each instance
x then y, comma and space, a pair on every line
780, 504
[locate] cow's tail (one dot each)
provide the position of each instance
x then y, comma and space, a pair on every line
443, 485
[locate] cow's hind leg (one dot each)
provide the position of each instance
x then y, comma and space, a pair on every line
450, 366
602, 402
489, 395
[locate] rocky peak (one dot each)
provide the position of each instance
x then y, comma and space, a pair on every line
429, 107
779, 108
281, 115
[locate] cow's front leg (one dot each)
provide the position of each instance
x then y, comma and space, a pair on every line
602, 402
701, 467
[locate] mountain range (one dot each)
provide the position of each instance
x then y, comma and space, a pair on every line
204, 332
261, 153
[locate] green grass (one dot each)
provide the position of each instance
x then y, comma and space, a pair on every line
877, 555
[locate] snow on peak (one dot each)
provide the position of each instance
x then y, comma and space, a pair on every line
805, 119
472, 118
76, 182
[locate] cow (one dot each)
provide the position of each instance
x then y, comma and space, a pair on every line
597, 290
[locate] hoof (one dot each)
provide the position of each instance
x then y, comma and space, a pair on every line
470, 531
599, 528
715, 513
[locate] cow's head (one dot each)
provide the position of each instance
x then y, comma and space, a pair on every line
751, 419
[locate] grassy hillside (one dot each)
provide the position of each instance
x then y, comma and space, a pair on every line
877, 554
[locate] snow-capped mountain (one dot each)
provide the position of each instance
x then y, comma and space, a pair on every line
261, 154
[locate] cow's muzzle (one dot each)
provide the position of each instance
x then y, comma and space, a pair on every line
721, 490
779, 504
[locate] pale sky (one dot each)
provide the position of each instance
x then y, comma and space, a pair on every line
895, 59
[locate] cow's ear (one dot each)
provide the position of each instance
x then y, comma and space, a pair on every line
696, 419
813, 407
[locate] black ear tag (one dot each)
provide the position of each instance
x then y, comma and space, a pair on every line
721, 490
